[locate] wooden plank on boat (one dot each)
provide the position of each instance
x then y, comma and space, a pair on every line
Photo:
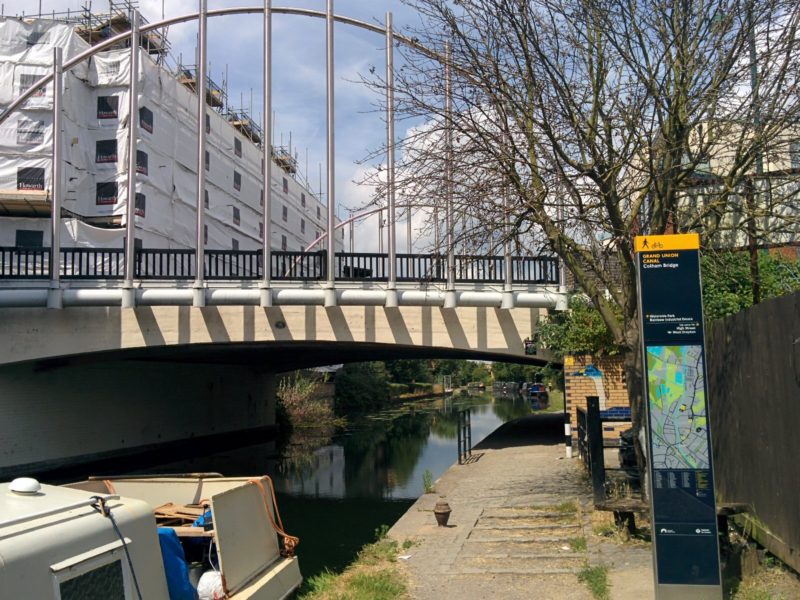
189, 531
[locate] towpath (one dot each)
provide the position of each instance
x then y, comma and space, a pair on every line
510, 534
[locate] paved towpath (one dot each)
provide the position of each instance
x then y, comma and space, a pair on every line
507, 537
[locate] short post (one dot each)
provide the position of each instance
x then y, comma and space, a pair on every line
567, 433
594, 434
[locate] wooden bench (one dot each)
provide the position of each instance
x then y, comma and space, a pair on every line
625, 509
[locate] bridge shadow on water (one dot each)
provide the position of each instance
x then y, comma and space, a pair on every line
546, 429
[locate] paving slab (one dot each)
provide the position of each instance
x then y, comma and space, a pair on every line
506, 537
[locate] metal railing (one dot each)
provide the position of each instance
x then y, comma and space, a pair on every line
220, 265
464, 435
591, 443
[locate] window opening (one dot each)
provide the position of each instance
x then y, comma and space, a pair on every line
107, 107
146, 119
106, 193
30, 178
105, 151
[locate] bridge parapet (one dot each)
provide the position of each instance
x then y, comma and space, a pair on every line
95, 277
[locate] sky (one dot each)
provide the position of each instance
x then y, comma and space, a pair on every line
235, 58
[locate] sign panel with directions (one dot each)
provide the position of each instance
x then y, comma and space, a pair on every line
685, 545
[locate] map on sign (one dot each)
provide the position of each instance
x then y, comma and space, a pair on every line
678, 417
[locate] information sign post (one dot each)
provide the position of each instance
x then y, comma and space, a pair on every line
682, 507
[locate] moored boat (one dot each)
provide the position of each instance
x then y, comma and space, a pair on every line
169, 537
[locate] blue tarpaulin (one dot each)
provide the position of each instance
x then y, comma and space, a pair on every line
178, 584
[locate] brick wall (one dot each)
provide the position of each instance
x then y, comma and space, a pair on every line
578, 386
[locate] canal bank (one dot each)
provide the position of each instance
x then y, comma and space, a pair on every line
519, 526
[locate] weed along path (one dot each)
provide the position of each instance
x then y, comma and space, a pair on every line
519, 527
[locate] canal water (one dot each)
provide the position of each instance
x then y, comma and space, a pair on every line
335, 489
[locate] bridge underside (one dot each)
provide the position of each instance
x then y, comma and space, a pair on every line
276, 338
88, 384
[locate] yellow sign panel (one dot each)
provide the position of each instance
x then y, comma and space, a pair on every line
656, 243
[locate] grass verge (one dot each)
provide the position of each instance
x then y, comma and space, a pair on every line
374, 575
596, 579
577, 544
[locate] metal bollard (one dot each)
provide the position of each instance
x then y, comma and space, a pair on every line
568, 434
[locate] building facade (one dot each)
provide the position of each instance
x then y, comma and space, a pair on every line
95, 130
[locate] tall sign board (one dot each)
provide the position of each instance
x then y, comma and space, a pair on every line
682, 508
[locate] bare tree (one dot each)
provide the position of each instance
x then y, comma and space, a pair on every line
601, 119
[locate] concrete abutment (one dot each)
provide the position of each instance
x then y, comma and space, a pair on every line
58, 416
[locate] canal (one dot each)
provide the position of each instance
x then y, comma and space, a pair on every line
335, 489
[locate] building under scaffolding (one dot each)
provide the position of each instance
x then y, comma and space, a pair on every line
95, 122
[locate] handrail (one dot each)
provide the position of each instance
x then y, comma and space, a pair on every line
179, 264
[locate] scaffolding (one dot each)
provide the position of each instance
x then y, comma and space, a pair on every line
94, 27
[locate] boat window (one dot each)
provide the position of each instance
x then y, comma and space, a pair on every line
103, 583
237, 147
237, 180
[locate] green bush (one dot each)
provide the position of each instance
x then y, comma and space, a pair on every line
361, 386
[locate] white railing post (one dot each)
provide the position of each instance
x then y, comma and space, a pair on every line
330, 286
450, 300
54, 298
391, 295
199, 294
128, 293
266, 141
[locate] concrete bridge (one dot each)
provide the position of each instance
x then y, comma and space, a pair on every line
112, 351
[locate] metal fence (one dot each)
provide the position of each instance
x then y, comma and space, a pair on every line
220, 265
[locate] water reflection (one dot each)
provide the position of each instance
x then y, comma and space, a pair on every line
335, 490
385, 455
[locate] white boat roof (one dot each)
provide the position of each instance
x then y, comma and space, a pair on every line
50, 499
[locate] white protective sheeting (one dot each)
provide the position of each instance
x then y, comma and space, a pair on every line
95, 144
